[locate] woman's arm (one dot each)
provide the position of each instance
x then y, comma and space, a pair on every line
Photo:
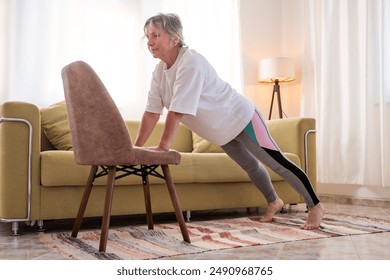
148, 122
171, 126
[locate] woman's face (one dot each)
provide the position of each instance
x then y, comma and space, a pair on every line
160, 44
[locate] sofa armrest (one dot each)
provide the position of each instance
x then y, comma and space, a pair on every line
20, 128
297, 136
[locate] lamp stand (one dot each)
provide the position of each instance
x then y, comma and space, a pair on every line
277, 91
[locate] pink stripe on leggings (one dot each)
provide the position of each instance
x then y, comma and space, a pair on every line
262, 133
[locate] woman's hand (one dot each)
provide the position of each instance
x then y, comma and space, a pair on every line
156, 148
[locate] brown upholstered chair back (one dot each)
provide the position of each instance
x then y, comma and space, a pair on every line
99, 133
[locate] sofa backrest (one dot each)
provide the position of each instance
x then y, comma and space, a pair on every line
56, 132
182, 143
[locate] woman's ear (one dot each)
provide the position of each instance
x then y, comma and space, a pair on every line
175, 40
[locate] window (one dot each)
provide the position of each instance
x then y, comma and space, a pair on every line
45, 35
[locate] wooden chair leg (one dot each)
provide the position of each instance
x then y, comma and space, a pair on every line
84, 201
107, 208
175, 203
148, 204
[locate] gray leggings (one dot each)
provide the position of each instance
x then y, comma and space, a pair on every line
247, 151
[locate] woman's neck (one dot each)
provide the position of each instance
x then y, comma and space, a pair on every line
170, 59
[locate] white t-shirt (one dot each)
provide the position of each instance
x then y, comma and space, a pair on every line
211, 107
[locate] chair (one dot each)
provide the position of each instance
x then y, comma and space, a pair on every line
101, 139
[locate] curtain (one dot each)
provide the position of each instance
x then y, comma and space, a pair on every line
39, 37
346, 87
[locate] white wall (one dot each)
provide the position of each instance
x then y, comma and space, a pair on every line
271, 28
3, 31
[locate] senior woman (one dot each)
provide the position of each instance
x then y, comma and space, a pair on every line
189, 88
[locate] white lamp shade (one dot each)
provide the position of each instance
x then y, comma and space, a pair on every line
276, 68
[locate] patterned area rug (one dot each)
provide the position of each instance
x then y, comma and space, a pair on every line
137, 242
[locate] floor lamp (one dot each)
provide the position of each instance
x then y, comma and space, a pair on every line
276, 70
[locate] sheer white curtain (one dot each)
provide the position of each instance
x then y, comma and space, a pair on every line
346, 87
39, 37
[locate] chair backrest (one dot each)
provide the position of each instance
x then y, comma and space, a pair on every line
99, 133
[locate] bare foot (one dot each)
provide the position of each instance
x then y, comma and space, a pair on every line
315, 217
272, 208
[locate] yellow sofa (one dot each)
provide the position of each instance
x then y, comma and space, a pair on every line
40, 182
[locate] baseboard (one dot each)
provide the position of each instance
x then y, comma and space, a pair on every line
341, 199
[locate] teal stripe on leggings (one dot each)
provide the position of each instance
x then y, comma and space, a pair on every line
251, 132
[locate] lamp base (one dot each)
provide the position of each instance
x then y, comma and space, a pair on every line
276, 90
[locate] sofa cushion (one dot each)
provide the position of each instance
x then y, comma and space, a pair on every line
220, 168
58, 168
201, 145
55, 125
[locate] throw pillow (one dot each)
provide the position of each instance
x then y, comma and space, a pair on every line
55, 125
201, 145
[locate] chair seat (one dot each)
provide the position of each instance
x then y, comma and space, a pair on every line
143, 155
135, 156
